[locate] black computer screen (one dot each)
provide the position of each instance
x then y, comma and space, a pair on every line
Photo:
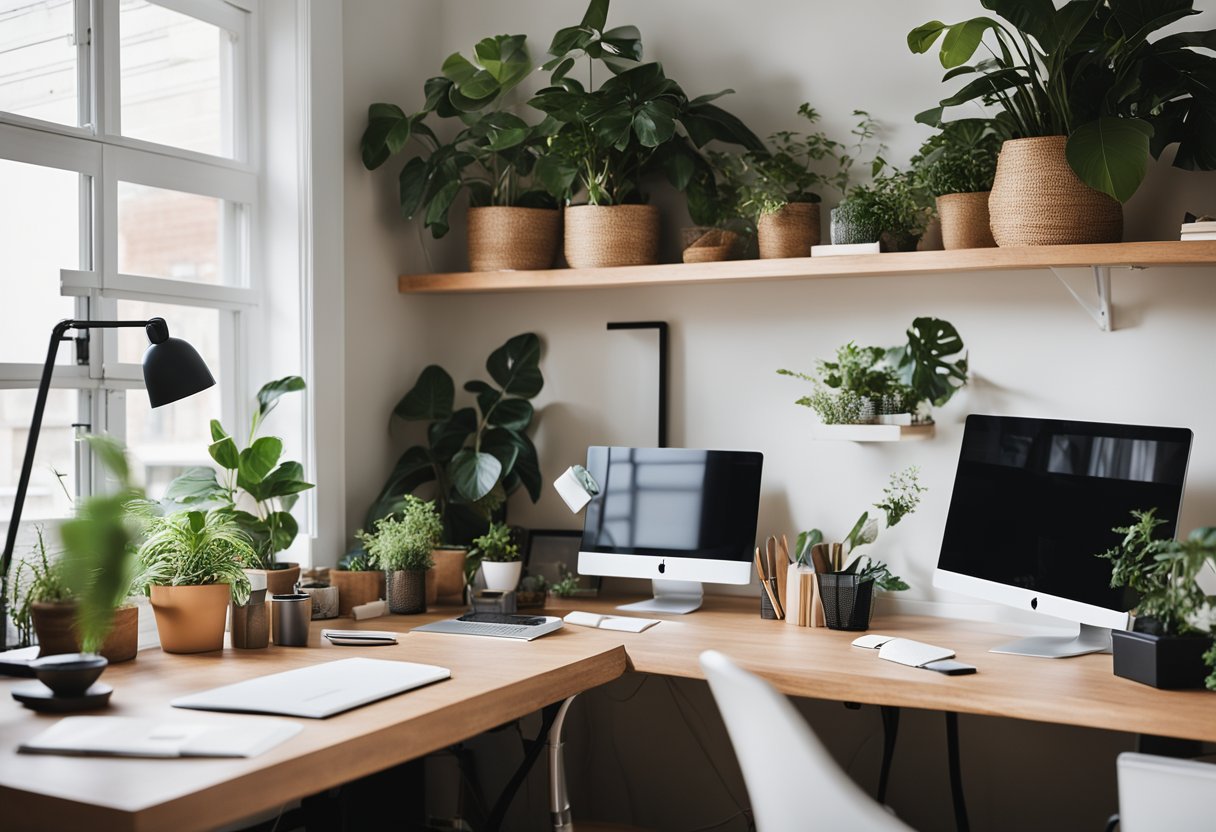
673, 502
1035, 500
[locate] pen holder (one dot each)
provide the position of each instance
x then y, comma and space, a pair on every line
766, 606
847, 602
291, 614
251, 622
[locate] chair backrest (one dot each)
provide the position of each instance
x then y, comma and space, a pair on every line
1164, 793
792, 780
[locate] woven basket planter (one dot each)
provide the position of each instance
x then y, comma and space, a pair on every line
611, 235
965, 220
711, 246
1037, 200
790, 231
406, 591
512, 239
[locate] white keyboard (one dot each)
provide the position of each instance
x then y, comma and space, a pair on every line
526, 632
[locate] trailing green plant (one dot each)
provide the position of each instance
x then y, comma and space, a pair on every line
491, 156
196, 548
892, 203
250, 476
637, 121
866, 381
405, 540
960, 158
1089, 71
496, 545
36, 580
567, 584
900, 498
476, 457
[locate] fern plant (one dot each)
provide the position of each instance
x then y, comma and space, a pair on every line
195, 548
404, 541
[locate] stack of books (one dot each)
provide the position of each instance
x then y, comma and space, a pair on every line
1199, 230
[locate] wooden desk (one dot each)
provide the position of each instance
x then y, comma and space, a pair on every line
494, 681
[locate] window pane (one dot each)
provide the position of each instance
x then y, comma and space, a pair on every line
38, 59
176, 88
39, 235
47, 497
166, 440
163, 233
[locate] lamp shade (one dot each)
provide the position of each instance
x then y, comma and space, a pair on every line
172, 368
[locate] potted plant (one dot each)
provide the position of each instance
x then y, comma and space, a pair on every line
401, 545
716, 198
1172, 636
784, 193
1087, 99
848, 590
896, 385
491, 156
608, 137
358, 582
956, 167
890, 210
253, 477
499, 556
477, 457
191, 566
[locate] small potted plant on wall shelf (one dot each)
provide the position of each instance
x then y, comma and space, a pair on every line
1172, 635
499, 556
401, 545
957, 166
891, 210
192, 565
885, 394
847, 586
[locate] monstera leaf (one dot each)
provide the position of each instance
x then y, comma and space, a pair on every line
925, 365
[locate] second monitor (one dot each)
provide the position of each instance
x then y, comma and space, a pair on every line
675, 515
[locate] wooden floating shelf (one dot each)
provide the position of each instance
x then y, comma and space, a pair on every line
1116, 255
871, 433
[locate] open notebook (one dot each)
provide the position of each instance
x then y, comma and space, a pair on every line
126, 736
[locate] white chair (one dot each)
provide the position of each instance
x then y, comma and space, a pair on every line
792, 780
1162, 793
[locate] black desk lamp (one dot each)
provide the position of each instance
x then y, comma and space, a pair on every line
172, 370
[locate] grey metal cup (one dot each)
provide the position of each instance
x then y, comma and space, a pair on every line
291, 615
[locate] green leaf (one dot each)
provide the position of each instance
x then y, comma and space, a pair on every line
437, 211
487, 396
412, 470
1111, 154
272, 391
448, 436
225, 453
925, 364
501, 444
285, 480
430, 398
383, 120
217, 431
922, 38
962, 39
283, 530
706, 122
515, 366
411, 184
1034, 17
515, 414
931, 117
527, 465
474, 474
802, 546
596, 16
258, 460
111, 454
196, 485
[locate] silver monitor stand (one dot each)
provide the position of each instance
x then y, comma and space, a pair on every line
1089, 640
672, 597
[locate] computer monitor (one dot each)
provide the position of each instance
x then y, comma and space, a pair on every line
675, 515
1034, 502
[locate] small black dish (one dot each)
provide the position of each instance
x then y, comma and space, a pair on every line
38, 697
69, 674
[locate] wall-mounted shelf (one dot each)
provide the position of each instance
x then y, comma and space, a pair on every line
1100, 258
871, 433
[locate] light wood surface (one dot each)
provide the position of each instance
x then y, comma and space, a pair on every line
495, 681
1168, 253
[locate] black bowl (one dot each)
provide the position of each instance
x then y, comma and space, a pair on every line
69, 674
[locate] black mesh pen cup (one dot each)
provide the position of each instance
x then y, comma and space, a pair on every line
847, 602
766, 606
406, 591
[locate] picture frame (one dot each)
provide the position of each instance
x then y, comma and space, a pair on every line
553, 553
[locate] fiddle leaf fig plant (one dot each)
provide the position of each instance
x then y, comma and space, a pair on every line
250, 477
1087, 70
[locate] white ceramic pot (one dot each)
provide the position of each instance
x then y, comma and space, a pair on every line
501, 577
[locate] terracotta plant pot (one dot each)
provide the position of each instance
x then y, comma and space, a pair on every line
55, 625
964, 220
406, 591
356, 588
280, 581
1037, 200
502, 577
611, 235
790, 231
512, 239
190, 619
447, 575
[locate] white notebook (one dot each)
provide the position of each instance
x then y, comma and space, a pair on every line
319, 690
127, 736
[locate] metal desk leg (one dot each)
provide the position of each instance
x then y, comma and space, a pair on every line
956, 773
559, 799
890, 730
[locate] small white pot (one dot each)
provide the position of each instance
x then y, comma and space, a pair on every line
501, 577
